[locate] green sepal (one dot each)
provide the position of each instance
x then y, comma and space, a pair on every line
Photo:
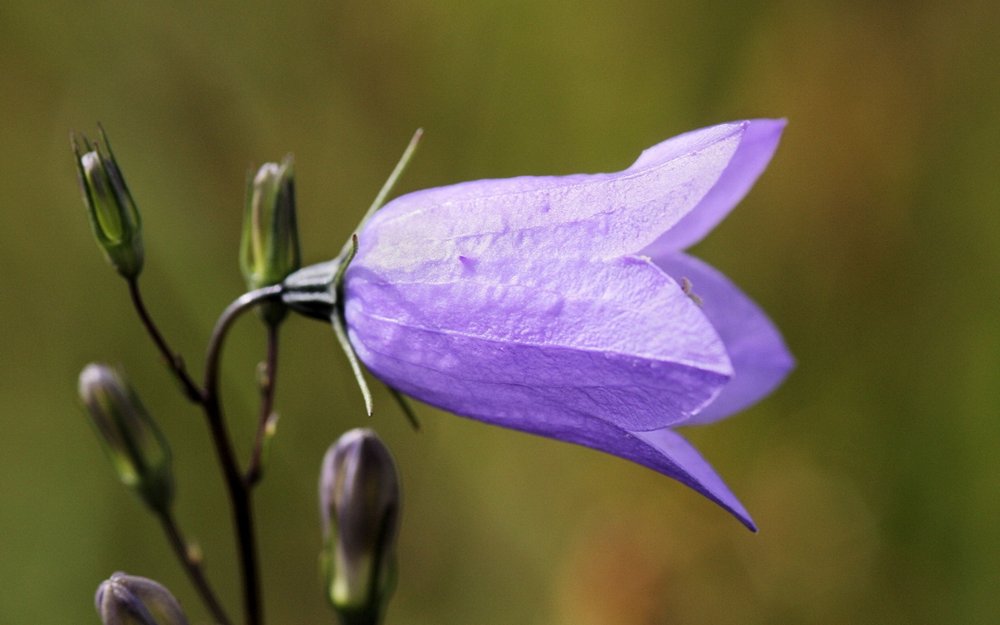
114, 218
269, 244
405, 407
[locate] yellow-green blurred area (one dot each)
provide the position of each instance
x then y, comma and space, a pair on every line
872, 241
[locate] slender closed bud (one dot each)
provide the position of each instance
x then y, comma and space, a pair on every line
114, 217
269, 247
137, 449
359, 506
132, 600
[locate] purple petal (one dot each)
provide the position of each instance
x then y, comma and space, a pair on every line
759, 356
759, 141
662, 450
600, 215
667, 452
536, 339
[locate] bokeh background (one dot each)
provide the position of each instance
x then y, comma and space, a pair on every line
871, 241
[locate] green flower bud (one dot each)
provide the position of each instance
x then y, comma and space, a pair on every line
113, 215
132, 600
269, 247
359, 506
138, 451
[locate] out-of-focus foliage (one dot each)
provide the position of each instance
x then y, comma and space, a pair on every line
872, 240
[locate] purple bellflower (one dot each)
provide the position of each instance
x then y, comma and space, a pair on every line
565, 306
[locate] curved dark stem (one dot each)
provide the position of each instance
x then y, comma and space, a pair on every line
174, 360
192, 566
226, 319
239, 493
267, 386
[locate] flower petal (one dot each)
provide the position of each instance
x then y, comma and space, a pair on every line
662, 450
537, 339
759, 356
757, 145
667, 452
600, 215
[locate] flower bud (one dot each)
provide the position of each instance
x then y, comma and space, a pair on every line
138, 451
113, 214
132, 600
269, 247
359, 506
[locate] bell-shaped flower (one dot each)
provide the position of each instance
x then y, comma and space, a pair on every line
566, 307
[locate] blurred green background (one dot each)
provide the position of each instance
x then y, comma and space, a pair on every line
871, 240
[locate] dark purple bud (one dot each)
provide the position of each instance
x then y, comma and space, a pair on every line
137, 450
131, 600
359, 506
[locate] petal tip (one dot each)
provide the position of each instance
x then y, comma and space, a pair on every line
746, 520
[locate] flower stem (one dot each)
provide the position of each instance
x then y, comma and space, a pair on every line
192, 566
239, 491
173, 359
267, 389
238, 488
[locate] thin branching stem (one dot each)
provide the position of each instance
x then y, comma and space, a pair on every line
207, 396
239, 492
173, 359
267, 389
192, 566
